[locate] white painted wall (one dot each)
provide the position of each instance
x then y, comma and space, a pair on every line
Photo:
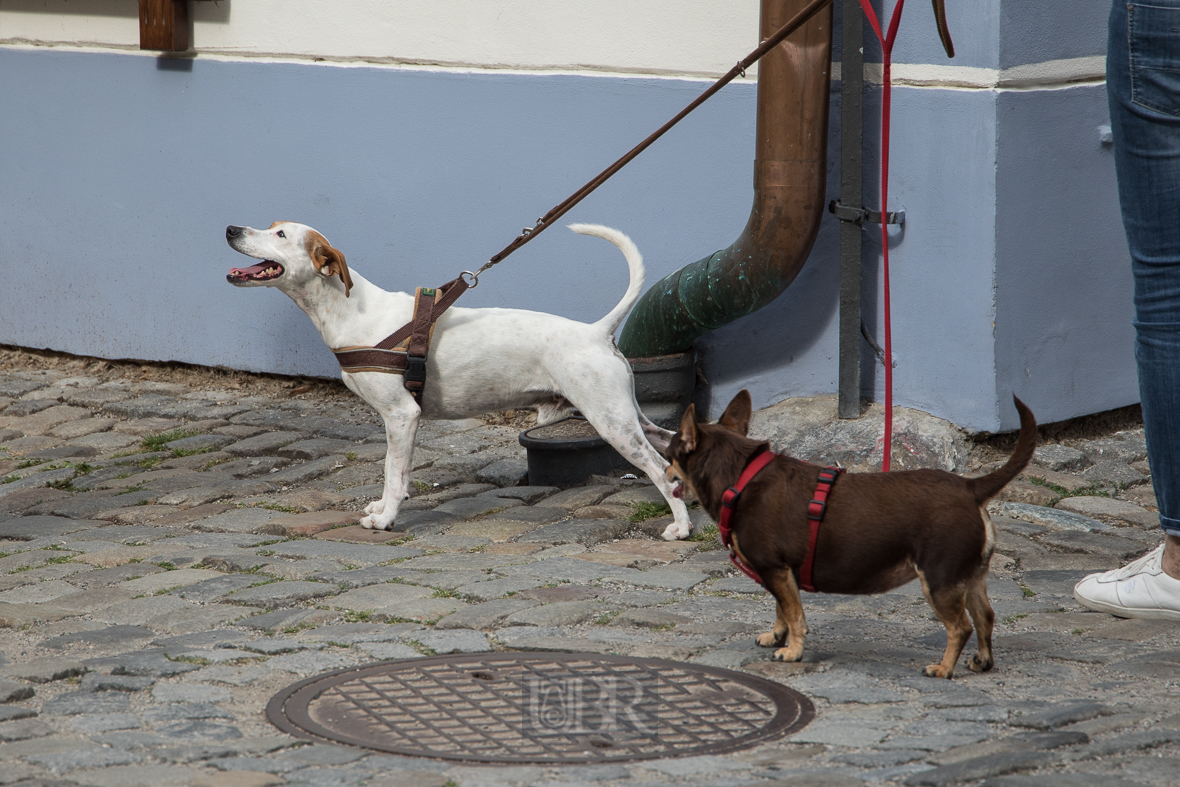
675, 37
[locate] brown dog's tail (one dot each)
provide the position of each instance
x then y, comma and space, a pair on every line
989, 486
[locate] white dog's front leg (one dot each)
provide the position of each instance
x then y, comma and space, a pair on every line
400, 429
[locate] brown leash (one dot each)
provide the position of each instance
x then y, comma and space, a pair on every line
407, 363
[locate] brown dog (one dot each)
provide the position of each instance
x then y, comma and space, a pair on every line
879, 531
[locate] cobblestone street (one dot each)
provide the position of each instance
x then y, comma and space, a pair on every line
174, 554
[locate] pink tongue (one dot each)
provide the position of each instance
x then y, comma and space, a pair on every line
253, 270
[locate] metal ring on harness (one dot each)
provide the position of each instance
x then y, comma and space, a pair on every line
474, 278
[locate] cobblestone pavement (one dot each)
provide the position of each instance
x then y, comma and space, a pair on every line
155, 592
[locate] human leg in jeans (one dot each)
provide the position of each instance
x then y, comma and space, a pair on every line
1143, 86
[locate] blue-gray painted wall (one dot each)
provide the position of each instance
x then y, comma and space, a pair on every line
120, 173
1036, 32
120, 176
1063, 273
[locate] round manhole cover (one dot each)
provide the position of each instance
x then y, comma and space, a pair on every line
561, 708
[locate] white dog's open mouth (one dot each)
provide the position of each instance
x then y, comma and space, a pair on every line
263, 271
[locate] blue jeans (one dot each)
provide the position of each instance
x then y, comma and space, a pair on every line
1143, 86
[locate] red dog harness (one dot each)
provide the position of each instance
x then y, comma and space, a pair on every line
729, 502
815, 514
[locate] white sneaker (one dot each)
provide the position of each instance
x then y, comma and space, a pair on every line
1139, 589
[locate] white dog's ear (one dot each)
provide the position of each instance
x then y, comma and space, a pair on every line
688, 430
736, 417
328, 261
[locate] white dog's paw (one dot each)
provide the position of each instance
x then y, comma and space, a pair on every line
376, 507
677, 532
377, 522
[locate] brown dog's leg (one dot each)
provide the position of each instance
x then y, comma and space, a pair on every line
984, 619
783, 604
949, 605
790, 621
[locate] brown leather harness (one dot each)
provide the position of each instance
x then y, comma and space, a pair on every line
405, 350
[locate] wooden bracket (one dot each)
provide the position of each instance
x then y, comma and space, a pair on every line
163, 25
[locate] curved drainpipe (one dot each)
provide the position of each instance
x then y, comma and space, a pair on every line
790, 171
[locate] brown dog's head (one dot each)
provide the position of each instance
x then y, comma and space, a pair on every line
292, 256
694, 442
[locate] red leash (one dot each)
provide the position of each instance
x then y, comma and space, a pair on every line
886, 54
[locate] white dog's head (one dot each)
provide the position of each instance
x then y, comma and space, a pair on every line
293, 255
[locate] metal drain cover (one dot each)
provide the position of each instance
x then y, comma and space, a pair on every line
557, 708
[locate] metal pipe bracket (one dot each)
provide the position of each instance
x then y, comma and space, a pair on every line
862, 215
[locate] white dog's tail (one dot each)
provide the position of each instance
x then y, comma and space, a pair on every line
634, 262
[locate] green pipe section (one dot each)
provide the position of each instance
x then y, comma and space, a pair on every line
789, 178
712, 292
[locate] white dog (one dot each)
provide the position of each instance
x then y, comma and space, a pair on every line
480, 360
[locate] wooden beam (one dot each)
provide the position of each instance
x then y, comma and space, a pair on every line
163, 25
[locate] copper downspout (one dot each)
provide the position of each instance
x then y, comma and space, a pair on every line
790, 171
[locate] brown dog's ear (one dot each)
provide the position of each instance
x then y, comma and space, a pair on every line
736, 417
327, 260
688, 430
